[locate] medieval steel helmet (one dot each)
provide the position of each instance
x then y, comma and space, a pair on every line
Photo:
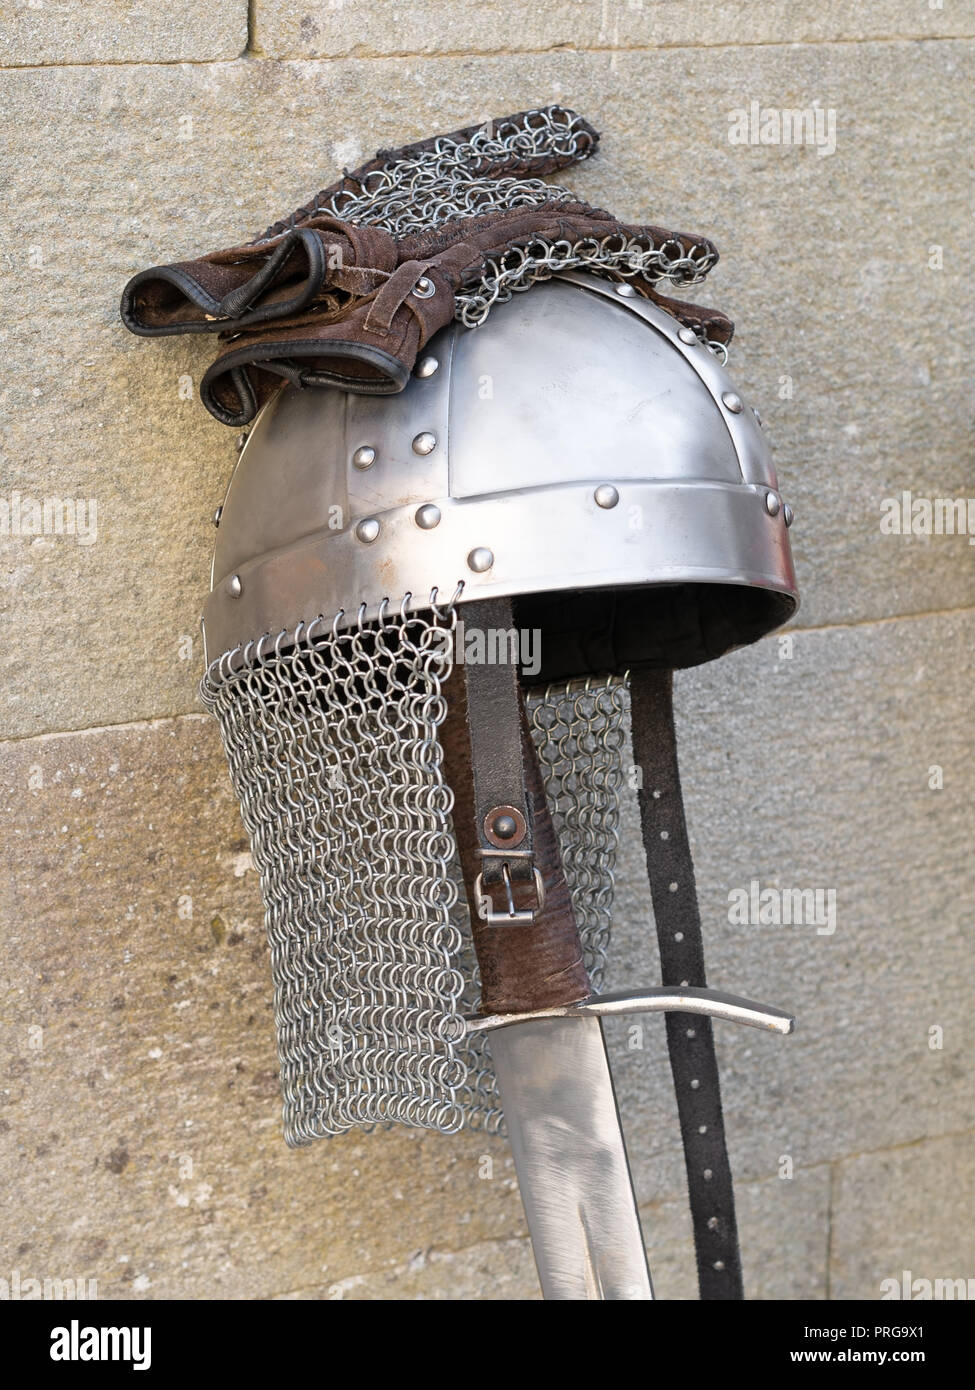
582, 456
581, 452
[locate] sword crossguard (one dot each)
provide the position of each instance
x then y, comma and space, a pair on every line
659, 999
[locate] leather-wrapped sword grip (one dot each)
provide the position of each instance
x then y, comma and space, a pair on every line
523, 966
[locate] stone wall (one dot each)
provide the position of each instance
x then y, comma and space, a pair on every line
139, 1130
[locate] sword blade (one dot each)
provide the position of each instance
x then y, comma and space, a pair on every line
562, 1118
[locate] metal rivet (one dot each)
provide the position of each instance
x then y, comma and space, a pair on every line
606, 495
702, 1129
678, 936
504, 827
480, 559
672, 887
788, 514
694, 1085
236, 588
691, 1033
424, 443
427, 366
627, 291
367, 530
427, 516
772, 503
424, 288
719, 1264
732, 402
665, 834
708, 1174
364, 457
757, 413
217, 515
712, 1223
687, 335
656, 796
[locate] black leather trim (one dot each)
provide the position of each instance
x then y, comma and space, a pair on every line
186, 286
277, 358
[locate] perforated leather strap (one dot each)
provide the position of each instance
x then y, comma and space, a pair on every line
690, 1039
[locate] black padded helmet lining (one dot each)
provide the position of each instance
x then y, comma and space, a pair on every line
595, 632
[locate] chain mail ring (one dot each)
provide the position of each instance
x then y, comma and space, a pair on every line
331, 737
410, 195
579, 730
331, 741
521, 267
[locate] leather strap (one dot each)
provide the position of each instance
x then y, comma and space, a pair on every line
494, 715
690, 1039
536, 965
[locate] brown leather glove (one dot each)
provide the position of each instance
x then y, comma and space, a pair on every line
370, 344
347, 289
325, 265
369, 348
290, 267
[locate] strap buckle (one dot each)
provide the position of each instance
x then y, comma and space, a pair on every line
514, 916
